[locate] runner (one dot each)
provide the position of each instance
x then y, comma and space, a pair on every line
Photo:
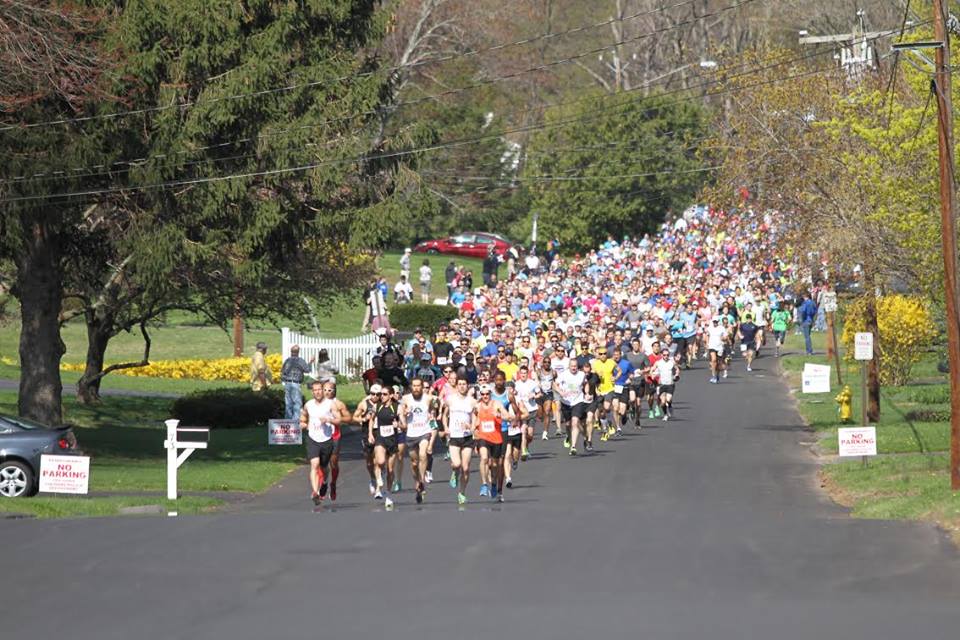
779, 322
509, 427
749, 334
486, 430
417, 412
362, 416
606, 371
569, 388
458, 417
593, 403
321, 418
621, 395
527, 390
667, 372
382, 436
715, 344
545, 378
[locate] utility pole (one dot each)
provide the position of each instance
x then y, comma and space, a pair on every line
942, 85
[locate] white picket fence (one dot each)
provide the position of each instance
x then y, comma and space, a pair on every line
345, 353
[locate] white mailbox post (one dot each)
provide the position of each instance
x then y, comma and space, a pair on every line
175, 457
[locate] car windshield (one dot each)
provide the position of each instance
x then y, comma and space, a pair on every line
23, 423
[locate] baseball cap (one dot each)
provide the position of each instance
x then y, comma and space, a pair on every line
376, 388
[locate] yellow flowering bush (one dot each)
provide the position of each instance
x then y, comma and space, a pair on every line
906, 328
232, 369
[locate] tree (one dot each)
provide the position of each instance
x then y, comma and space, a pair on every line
253, 237
612, 165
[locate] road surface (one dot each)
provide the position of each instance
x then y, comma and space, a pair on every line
710, 526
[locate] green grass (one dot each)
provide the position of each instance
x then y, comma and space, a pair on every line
909, 479
82, 507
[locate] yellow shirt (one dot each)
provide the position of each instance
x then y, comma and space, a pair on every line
604, 370
509, 369
258, 365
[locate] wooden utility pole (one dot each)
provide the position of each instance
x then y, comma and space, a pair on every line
942, 85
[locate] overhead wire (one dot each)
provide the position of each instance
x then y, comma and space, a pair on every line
355, 76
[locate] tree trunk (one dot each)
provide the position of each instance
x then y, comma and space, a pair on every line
88, 387
873, 366
40, 290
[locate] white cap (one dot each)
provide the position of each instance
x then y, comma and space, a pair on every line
376, 389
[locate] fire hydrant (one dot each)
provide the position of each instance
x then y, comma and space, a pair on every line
844, 407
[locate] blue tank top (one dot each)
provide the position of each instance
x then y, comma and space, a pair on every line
504, 399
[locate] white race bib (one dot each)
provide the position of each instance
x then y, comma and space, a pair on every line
386, 430
488, 426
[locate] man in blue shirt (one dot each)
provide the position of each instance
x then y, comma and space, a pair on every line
808, 313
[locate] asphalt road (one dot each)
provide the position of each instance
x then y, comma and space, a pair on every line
710, 526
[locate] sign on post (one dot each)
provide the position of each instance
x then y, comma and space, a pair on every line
284, 432
175, 457
828, 301
857, 441
64, 474
815, 378
863, 346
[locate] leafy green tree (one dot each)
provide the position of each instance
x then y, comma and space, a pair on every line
613, 165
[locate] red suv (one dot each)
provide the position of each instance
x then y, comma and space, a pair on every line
473, 244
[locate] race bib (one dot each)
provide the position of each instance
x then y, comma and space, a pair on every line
386, 430
743, 348
618, 388
488, 426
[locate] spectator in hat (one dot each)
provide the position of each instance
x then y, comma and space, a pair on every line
260, 375
405, 264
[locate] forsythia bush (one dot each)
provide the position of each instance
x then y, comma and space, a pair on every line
906, 328
233, 369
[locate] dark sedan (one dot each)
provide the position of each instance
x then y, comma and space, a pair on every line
472, 244
22, 442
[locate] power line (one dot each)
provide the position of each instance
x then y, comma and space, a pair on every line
388, 70
811, 55
381, 156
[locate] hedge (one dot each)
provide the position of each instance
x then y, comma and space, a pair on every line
229, 408
429, 317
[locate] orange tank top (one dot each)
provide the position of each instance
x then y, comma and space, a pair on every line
489, 424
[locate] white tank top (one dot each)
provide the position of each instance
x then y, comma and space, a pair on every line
526, 393
319, 414
418, 416
461, 415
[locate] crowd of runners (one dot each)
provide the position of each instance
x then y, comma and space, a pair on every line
577, 349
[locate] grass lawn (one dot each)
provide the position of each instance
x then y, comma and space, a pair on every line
909, 478
80, 507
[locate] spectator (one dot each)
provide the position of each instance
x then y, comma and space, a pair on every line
260, 375
450, 275
291, 375
426, 275
807, 313
402, 291
326, 371
405, 264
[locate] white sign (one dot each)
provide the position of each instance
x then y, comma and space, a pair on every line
64, 474
816, 378
284, 432
857, 441
828, 300
863, 346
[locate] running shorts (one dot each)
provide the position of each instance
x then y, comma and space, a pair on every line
681, 344
389, 443
667, 388
322, 450
416, 440
573, 411
462, 443
515, 441
496, 449
610, 396
401, 437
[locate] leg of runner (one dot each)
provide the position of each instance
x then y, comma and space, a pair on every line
590, 419
380, 463
401, 451
546, 411
391, 478
334, 469
465, 455
497, 471
418, 464
316, 479
574, 430
713, 366
484, 469
371, 467
428, 475
456, 460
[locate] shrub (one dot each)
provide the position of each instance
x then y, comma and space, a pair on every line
229, 408
906, 328
232, 369
429, 317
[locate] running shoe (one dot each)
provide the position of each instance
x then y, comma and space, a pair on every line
613, 430
665, 417
396, 487
559, 433
546, 436
453, 479
323, 490
524, 455
388, 503
749, 368
419, 496
713, 380
461, 499
333, 491
378, 495
493, 491
373, 488
573, 451
514, 465
509, 483
316, 499
650, 415
428, 477
446, 455
619, 431
588, 446
657, 412
500, 498
484, 490
566, 443
604, 436
724, 374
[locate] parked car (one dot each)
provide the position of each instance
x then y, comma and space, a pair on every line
22, 442
472, 244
